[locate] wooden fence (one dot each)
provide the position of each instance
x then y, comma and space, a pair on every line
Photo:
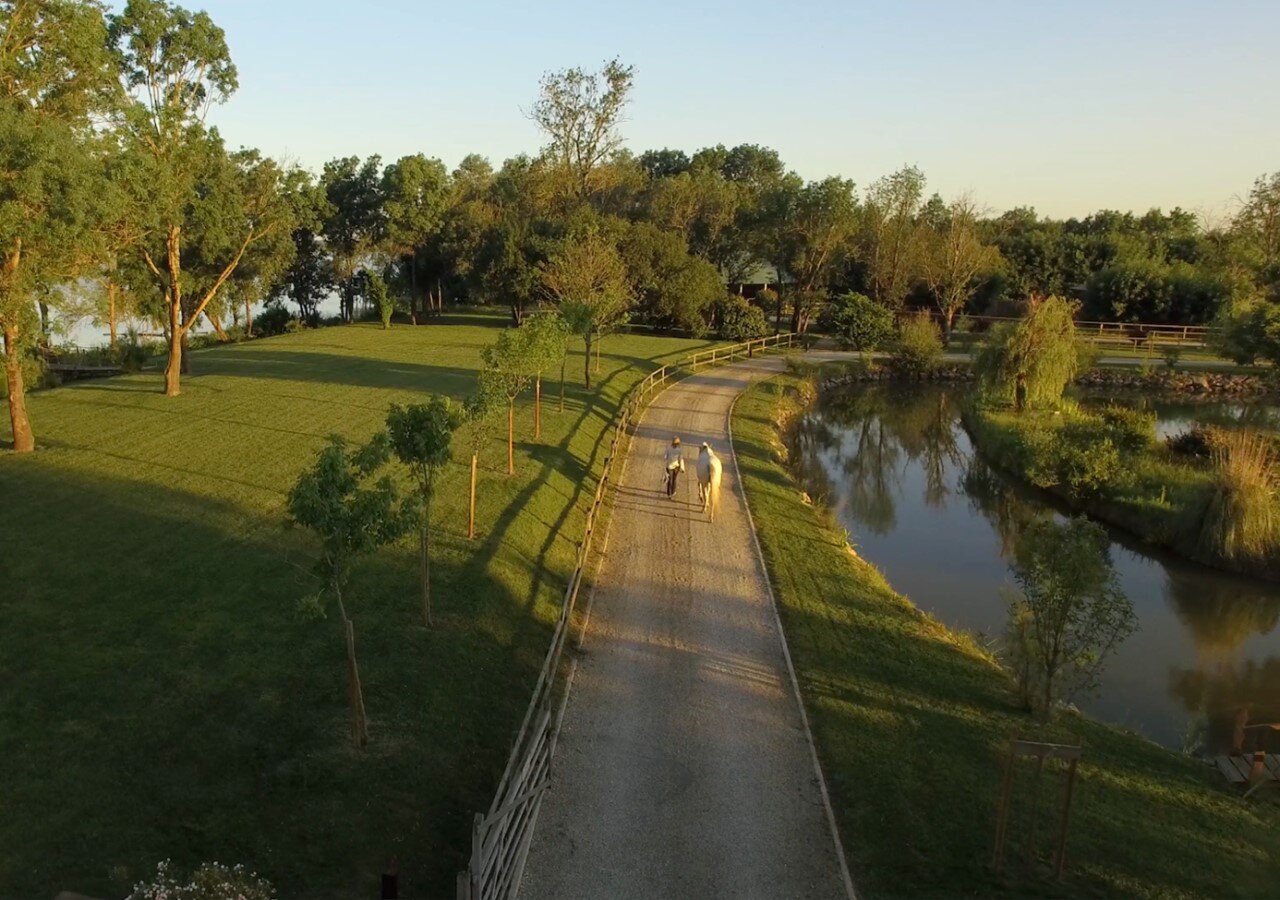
500, 839
1130, 335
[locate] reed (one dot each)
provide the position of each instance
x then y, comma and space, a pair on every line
1240, 519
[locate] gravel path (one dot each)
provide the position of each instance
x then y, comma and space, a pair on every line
683, 768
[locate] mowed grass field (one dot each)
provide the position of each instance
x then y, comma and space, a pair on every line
912, 721
160, 695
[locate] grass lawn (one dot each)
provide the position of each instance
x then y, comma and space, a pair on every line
911, 721
161, 697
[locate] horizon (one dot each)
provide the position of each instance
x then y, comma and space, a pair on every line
994, 101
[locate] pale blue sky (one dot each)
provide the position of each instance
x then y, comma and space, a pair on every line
1065, 106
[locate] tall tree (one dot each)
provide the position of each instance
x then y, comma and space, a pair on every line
587, 280
817, 223
953, 256
1258, 224
354, 226
54, 75
506, 372
579, 111
415, 193
175, 65
891, 233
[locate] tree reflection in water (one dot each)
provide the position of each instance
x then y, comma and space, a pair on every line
882, 453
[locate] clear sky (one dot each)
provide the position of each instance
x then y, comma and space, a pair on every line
1065, 106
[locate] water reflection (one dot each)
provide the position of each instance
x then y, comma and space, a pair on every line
897, 468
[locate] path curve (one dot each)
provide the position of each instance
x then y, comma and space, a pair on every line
683, 768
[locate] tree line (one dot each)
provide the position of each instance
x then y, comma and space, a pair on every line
118, 195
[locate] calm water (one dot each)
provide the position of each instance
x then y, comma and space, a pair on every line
897, 468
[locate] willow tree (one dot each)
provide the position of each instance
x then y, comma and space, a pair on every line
1030, 362
587, 280
55, 75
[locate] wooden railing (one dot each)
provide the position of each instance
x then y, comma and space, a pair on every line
500, 839
786, 340
1133, 335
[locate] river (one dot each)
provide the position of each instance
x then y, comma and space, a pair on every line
896, 467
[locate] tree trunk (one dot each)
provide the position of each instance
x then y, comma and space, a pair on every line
426, 556
112, 289
586, 362
177, 332
511, 438
599, 340
564, 361
355, 693
44, 322
471, 516
24, 440
537, 408
217, 326
248, 319
173, 367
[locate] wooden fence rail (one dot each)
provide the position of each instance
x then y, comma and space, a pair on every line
500, 839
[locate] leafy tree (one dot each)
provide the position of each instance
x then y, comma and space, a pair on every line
1069, 613
859, 323
175, 65
587, 280
1258, 226
741, 320
55, 75
421, 436
953, 257
354, 227
579, 111
891, 233
917, 350
1030, 362
481, 411
506, 372
547, 337
1247, 329
309, 277
816, 225
415, 192
671, 286
376, 292
350, 517
665, 162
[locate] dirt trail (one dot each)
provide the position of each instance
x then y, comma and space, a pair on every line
683, 769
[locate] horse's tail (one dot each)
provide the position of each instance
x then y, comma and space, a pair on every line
713, 489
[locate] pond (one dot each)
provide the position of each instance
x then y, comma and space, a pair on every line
896, 467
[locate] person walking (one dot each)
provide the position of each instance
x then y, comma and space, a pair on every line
673, 460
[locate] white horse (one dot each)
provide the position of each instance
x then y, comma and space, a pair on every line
709, 470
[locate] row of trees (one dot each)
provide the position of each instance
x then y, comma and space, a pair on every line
118, 197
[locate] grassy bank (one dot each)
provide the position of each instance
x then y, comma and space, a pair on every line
1148, 490
159, 694
911, 720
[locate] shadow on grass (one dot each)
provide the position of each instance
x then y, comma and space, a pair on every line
161, 698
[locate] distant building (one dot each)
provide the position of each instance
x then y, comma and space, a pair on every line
760, 277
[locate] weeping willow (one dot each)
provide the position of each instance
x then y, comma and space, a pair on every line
1029, 363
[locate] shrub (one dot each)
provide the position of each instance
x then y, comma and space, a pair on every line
858, 323
1131, 430
740, 320
1196, 443
210, 881
1239, 519
918, 349
274, 319
1079, 456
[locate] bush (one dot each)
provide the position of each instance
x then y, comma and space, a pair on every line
1195, 443
918, 349
210, 881
1079, 456
274, 319
740, 320
857, 322
1131, 430
1247, 330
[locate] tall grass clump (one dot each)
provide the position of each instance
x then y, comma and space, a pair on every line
918, 348
1029, 363
1239, 519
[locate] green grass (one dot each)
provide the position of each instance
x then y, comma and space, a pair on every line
1161, 499
159, 694
911, 720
